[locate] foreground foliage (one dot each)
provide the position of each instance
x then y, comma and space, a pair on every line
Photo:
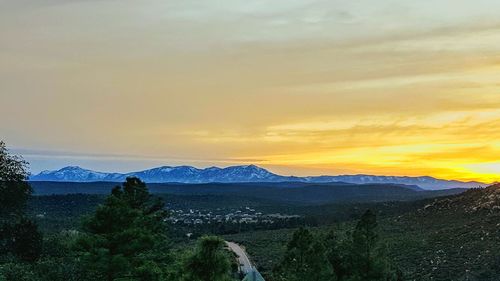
126, 237
19, 236
209, 261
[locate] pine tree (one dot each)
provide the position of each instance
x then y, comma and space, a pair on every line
305, 259
126, 237
367, 258
364, 241
14, 188
359, 257
27, 245
19, 236
337, 255
209, 262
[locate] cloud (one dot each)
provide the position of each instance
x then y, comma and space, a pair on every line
324, 86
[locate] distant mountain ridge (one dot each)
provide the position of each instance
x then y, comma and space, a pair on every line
236, 174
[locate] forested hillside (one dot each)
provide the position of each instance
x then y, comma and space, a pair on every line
453, 238
293, 193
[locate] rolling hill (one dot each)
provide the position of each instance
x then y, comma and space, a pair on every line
456, 237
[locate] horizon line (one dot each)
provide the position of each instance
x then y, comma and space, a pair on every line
255, 165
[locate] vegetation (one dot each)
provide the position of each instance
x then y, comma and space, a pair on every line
125, 238
305, 194
19, 237
128, 235
305, 259
365, 258
324, 257
442, 239
209, 262
433, 239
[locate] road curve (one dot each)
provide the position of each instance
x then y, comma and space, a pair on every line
245, 264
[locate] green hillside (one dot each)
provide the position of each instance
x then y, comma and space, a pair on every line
452, 238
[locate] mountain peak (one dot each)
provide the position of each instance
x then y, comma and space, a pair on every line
242, 173
247, 167
69, 168
70, 173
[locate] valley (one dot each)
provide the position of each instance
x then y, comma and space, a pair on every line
430, 235
236, 140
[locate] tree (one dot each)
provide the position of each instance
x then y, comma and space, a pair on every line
364, 241
13, 186
490, 273
367, 258
18, 235
305, 259
126, 237
27, 240
209, 262
337, 255
358, 257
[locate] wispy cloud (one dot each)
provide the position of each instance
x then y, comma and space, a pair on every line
313, 86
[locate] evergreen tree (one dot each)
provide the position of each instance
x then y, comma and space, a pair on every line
364, 242
18, 235
27, 240
14, 188
367, 258
357, 258
209, 262
126, 237
305, 259
337, 255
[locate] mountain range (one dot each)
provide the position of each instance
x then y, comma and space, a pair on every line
238, 174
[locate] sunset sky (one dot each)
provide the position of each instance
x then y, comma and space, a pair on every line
389, 87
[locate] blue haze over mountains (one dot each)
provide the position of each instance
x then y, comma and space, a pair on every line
237, 174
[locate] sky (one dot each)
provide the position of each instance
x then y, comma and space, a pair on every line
384, 87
